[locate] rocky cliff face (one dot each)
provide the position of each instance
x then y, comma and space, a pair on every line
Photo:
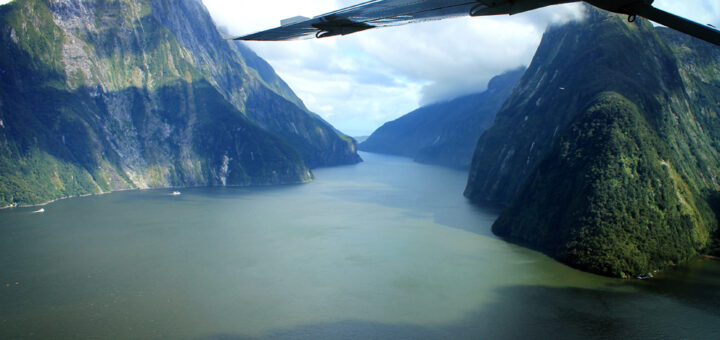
444, 133
263, 96
106, 95
607, 150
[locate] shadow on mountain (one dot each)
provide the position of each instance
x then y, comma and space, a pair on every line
694, 284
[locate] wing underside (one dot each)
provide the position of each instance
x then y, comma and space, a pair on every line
681, 24
382, 13
370, 14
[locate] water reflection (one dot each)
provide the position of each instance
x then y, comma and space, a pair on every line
536, 312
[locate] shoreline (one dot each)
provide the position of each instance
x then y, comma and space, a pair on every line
15, 205
710, 257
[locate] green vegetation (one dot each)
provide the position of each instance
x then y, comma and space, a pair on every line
631, 212
39, 176
604, 157
258, 92
118, 96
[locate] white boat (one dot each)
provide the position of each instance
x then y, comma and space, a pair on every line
39, 211
176, 193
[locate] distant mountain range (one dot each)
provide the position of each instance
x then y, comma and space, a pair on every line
606, 153
361, 139
99, 96
444, 133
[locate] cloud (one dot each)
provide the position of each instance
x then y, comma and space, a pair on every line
459, 56
360, 81
702, 11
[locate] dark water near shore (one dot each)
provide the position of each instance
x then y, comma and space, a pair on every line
384, 249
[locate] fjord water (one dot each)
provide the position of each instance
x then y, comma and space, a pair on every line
384, 249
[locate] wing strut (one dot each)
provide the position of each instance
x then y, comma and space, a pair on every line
673, 21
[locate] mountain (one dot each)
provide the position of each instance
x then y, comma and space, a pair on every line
260, 93
106, 95
606, 153
360, 139
444, 133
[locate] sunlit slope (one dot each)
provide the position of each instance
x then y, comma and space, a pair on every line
606, 152
252, 85
106, 95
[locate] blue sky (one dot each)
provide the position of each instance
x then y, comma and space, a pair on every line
360, 81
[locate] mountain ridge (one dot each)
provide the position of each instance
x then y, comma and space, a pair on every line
99, 96
444, 133
598, 156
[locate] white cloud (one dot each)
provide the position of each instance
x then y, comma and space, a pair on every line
2, 2
358, 82
702, 11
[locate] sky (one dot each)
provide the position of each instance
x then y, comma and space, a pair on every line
360, 81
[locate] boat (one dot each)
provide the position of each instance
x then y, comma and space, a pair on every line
176, 193
644, 276
39, 211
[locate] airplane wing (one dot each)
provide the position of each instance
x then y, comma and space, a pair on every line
379, 13
704, 32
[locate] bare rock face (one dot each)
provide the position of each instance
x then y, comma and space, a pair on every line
265, 99
105, 95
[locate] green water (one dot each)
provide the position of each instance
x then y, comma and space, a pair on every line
384, 249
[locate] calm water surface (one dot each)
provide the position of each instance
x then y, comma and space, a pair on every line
384, 249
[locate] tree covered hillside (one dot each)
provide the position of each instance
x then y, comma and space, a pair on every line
606, 153
101, 95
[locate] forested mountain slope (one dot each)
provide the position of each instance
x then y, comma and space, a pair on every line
103, 95
607, 150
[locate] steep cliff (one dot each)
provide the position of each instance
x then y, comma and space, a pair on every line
105, 95
607, 150
263, 96
444, 133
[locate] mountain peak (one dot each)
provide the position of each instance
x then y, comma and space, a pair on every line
598, 152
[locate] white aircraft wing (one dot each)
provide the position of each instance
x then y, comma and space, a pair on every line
381, 13
371, 14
